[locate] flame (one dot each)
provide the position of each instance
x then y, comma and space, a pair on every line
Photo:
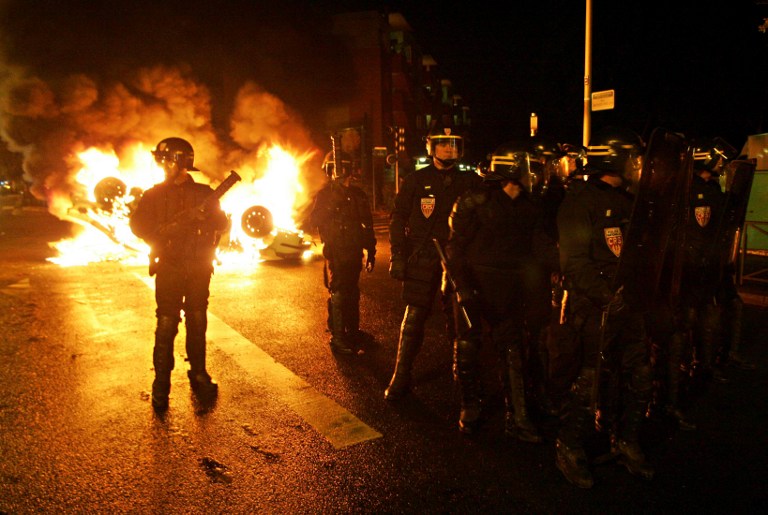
273, 181
278, 189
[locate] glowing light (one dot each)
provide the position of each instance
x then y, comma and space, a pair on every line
272, 180
278, 189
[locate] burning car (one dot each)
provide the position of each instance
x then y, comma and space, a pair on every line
105, 196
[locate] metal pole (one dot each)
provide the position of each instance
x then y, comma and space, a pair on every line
587, 74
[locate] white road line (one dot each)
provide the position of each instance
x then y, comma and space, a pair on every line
337, 425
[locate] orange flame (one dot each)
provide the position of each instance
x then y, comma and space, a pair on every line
272, 181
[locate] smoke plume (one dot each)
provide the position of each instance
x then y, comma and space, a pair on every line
231, 78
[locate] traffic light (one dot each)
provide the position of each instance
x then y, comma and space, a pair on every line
400, 141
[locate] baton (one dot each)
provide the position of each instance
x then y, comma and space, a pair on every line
444, 262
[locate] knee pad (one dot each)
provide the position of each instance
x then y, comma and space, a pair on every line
465, 357
196, 321
466, 351
413, 321
582, 387
167, 328
641, 381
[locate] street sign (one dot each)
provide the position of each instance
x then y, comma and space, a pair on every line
603, 100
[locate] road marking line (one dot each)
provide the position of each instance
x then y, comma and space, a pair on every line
340, 427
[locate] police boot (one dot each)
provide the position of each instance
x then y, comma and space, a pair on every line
625, 446
352, 318
735, 358
465, 358
339, 343
631, 456
541, 389
411, 338
163, 361
674, 380
199, 379
683, 422
709, 346
516, 421
572, 462
577, 417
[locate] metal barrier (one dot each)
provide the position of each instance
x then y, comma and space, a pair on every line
760, 275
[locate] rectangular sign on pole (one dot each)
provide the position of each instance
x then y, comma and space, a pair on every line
603, 100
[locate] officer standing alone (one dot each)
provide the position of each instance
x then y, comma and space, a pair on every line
701, 276
183, 252
342, 216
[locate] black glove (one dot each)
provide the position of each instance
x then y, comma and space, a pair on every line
466, 296
201, 214
370, 262
397, 267
616, 305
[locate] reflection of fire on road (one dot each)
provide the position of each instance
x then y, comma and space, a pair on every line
261, 209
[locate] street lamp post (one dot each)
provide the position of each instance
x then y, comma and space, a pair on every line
587, 73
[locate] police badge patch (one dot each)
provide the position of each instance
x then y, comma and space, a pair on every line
703, 214
614, 239
427, 206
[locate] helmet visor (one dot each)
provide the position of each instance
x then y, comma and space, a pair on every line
512, 167
446, 147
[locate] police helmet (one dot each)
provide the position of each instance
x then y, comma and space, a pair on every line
543, 149
543, 155
509, 162
573, 160
711, 156
445, 135
613, 150
176, 150
344, 169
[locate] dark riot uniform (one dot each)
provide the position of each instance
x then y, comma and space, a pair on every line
420, 213
342, 215
592, 222
496, 249
185, 254
701, 269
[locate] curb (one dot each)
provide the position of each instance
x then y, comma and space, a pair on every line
754, 299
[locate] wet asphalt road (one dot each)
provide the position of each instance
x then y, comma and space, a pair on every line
295, 429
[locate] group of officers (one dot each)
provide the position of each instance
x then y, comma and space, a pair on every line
525, 254
535, 253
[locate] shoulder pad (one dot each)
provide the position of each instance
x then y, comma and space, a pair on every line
474, 198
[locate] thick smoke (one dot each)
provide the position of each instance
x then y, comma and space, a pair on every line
230, 79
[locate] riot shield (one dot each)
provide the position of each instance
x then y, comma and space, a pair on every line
657, 215
739, 175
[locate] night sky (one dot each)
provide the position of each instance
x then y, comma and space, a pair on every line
694, 67
98, 71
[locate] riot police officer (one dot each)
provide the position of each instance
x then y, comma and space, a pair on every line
496, 246
592, 222
420, 213
686, 326
701, 275
562, 349
183, 251
342, 216
546, 190
736, 179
